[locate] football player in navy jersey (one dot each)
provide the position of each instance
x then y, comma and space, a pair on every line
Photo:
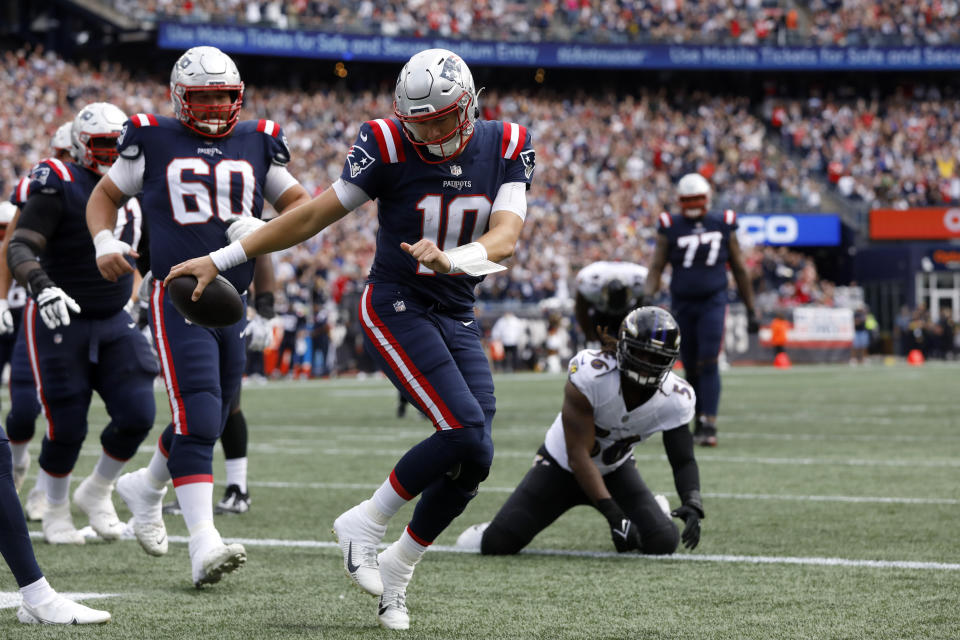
452, 199
615, 397
698, 245
22, 417
78, 335
198, 172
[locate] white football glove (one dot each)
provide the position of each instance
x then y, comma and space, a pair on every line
55, 307
260, 332
6, 318
242, 226
105, 243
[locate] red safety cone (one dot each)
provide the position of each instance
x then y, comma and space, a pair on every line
782, 361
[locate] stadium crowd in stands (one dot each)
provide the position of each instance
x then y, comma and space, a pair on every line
744, 22
606, 168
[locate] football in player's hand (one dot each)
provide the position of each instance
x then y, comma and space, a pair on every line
219, 304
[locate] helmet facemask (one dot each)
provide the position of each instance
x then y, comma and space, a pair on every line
436, 85
648, 346
213, 120
693, 192
99, 150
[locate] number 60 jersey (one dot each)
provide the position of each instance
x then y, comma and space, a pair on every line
193, 185
596, 376
449, 203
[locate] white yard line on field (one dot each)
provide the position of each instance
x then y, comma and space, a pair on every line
822, 562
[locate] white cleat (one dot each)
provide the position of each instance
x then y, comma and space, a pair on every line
94, 499
359, 536
60, 610
210, 567
36, 504
392, 610
472, 536
20, 472
58, 526
146, 504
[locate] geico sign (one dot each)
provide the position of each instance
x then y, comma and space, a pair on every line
770, 229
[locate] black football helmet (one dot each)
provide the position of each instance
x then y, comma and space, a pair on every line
647, 346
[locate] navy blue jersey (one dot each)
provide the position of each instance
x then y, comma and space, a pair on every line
449, 203
699, 250
70, 258
193, 185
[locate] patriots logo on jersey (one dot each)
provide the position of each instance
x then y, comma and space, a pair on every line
529, 158
123, 134
40, 174
359, 160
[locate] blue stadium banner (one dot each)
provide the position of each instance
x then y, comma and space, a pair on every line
374, 48
791, 229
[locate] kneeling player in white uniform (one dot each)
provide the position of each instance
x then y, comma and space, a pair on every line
606, 293
614, 398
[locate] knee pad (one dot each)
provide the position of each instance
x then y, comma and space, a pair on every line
662, 541
468, 475
498, 542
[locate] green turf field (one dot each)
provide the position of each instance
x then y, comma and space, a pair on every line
832, 512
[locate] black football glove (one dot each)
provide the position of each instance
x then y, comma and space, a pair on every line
753, 324
625, 534
263, 303
691, 514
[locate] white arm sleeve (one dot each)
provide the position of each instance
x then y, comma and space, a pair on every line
128, 174
351, 196
278, 181
512, 197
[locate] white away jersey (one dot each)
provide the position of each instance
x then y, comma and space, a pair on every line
593, 277
596, 376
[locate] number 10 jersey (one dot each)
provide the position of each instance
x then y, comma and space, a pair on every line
449, 203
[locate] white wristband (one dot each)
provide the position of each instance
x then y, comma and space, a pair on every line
472, 260
229, 257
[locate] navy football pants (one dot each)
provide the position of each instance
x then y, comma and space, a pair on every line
109, 356
436, 359
14, 539
202, 369
701, 323
24, 408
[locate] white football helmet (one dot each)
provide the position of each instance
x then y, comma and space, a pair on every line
202, 70
94, 135
693, 190
62, 139
7, 210
433, 85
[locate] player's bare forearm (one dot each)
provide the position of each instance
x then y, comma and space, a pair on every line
6, 276
500, 240
652, 283
102, 206
295, 225
744, 286
579, 434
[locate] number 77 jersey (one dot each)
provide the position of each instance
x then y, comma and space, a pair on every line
698, 252
449, 203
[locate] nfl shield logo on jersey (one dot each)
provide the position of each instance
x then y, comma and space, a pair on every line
456, 169
399, 306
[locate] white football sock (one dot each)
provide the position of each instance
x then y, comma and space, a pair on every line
158, 475
196, 503
37, 593
58, 489
19, 452
386, 501
409, 550
237, 472
108, 467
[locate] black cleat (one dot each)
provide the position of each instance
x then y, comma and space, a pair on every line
233, 501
